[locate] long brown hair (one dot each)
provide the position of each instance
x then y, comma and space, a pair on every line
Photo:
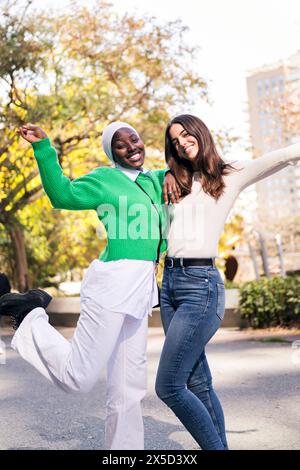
211, 166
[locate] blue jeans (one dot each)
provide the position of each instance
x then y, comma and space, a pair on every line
192, 308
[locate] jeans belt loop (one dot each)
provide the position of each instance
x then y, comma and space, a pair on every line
181, 262
172, 263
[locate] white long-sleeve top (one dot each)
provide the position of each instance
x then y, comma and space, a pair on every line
197, 221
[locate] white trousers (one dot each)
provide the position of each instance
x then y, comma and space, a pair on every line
102, 339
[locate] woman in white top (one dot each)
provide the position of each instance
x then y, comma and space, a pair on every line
193, 295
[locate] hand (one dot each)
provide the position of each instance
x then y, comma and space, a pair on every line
32, 133
171, 189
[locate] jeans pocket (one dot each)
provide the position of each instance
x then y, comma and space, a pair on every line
198, 274
220, 301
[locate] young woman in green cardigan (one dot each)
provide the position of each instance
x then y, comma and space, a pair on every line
118, 289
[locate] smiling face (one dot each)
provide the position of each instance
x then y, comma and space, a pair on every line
128, 148
185, 144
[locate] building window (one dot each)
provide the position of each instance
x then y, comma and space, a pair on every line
281, 84
274, 84
267, 86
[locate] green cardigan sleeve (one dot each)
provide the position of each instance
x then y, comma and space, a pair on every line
160, 174
86, 192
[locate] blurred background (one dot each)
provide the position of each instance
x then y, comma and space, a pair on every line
73, 67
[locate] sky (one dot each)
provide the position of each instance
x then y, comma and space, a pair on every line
235, 37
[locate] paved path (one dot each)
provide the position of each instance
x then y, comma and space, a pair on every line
258, 383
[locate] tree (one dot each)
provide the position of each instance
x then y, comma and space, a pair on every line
73, 80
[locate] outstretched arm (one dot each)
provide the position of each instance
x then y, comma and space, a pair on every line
85, 192
268, 164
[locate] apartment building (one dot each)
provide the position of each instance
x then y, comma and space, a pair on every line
274, 102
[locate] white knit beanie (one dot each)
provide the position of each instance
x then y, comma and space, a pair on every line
108, 134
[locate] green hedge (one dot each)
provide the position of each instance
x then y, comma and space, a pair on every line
271, 302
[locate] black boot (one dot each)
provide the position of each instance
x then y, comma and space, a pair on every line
19, 305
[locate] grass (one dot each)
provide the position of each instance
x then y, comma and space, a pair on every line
274, 339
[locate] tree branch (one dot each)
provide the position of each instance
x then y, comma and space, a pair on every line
27, 197
22, 185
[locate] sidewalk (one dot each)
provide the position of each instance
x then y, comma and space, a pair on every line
257, 380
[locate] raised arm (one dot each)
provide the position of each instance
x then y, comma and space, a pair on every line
85, 192
268, 164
